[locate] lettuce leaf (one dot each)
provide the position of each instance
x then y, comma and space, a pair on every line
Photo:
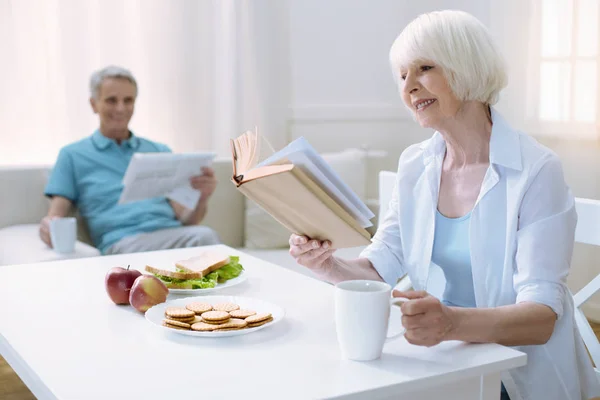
202, 284
223, 274
227, 271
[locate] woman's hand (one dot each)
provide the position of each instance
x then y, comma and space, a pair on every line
426, 320
314, 254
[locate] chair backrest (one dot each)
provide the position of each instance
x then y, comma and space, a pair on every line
588, 231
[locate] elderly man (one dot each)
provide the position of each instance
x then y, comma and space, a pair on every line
88, 175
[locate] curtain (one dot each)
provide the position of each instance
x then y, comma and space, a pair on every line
197, 64
552, 52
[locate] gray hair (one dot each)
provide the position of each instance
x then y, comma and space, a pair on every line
461, 45
110, 72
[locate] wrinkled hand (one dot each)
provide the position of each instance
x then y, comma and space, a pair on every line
45, 230
314, 254
426, 320
205, 183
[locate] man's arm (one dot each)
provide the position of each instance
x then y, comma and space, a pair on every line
187, 216
59, 207
206, 184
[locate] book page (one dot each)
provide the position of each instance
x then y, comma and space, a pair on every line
151, 175
246, 151
303, 155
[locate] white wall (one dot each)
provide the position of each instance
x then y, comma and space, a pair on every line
342, 90
343, 94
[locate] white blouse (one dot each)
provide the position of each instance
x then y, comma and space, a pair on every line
521, 239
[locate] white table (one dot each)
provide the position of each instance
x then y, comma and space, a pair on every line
68, 341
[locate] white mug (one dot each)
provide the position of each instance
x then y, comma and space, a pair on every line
63, 234
362, 311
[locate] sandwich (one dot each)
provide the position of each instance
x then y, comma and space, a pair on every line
200, 272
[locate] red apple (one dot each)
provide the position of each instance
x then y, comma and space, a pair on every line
118, 283
147, 291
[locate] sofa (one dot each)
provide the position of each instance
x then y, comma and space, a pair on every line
239, 222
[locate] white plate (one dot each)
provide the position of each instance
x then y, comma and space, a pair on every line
156, 314
229, 283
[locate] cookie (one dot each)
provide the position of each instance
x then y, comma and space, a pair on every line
253, 319
241, 313
224, 321
188, 320
233, 323
176, 325
264, 321
203, 327
179, 312
228, 307
199, 308
216, 316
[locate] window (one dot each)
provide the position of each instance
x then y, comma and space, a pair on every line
568, 66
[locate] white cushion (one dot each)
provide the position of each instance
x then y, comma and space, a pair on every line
263, 232
21, 244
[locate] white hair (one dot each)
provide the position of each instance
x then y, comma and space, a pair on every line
109, 72
461, 45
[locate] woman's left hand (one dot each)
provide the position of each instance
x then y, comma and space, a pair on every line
426, 320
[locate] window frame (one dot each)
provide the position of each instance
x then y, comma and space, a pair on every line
538, 126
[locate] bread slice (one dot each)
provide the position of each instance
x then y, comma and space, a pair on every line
174, 274
204, 263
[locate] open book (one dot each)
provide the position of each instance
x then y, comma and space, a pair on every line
301, 191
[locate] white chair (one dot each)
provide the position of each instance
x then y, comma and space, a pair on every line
587, 231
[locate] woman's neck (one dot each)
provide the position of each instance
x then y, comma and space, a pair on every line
467, 136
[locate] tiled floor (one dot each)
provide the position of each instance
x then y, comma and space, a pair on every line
11, 387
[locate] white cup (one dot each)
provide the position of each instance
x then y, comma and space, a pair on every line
362, 312
63, 234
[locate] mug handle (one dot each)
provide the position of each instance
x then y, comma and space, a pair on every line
396, 302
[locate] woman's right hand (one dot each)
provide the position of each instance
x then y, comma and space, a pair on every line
314, 254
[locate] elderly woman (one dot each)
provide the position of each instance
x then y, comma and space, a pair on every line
486, 203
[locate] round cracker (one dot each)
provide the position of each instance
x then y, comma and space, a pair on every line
241, 313
215, 323
179, 312
199, 308
176, 323
253, 319
203, 327
181, 328
216, 316
265, 321
233, 323
226, 307
188, 320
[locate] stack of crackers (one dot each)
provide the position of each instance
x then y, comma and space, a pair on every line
204, 317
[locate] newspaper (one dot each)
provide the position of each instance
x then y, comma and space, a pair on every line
151, 175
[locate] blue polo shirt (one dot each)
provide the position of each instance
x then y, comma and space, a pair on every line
90, 174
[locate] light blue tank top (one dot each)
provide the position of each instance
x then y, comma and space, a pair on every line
451, 252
